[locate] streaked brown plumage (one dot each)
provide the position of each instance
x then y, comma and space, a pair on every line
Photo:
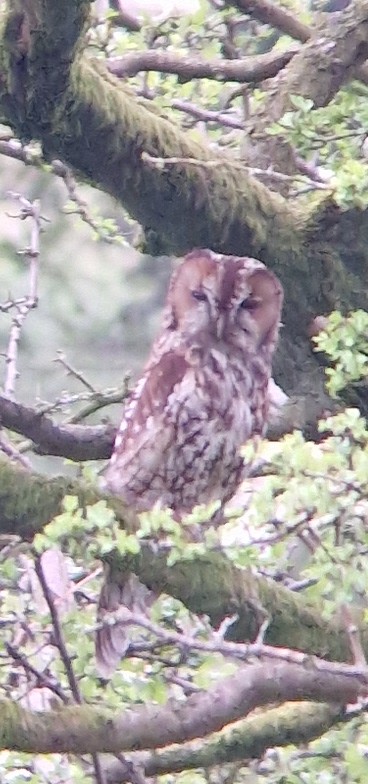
202, 395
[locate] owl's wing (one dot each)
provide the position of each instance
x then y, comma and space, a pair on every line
146, 429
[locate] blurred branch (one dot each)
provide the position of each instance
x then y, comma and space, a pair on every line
216, 643
208, 585
76, 442
248, 69
71, 371
59, 642
249, 739
88, 729
12, 148
12, 452
268, 13
313, 75
124, 18
41, 678
273, 15
95, 442
208, 115
23, 307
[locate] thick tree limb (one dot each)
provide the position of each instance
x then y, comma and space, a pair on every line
249, 69
209, 585
198, 204
94, 119
273, 15
87, 729
75, 442
53, 93
249, 739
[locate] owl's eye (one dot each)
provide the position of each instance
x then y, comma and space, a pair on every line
250, 303
199, 295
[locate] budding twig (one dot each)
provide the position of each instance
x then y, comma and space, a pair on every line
24, 305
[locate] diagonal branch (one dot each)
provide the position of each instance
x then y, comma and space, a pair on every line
249, 739
323, 65
273, 15
75, 442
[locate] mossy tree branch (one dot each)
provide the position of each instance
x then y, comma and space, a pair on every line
89, 729
249, 739
209, 584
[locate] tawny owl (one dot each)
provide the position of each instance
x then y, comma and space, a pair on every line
202, 395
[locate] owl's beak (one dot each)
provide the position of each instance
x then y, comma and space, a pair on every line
220, 325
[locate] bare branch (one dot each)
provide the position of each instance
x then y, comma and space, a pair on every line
59, 641
76, 442
248, 69
31, 254
208, 115
41, 678
11, 451
271, 14
31, 156
61, 358
236, 650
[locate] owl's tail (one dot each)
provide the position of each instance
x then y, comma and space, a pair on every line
112, 639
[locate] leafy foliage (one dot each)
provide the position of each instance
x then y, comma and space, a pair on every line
345, 342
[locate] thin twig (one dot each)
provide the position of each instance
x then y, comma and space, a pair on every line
208, 115
11, 451
161, 163
61, 358
64, 655
30, 156
353, 634
28, 209
41, 678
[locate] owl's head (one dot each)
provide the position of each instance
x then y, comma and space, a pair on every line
225, 298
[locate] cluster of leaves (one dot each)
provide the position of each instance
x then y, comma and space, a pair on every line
332, 137
345, 342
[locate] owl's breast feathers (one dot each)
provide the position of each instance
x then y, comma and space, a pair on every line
178, 443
